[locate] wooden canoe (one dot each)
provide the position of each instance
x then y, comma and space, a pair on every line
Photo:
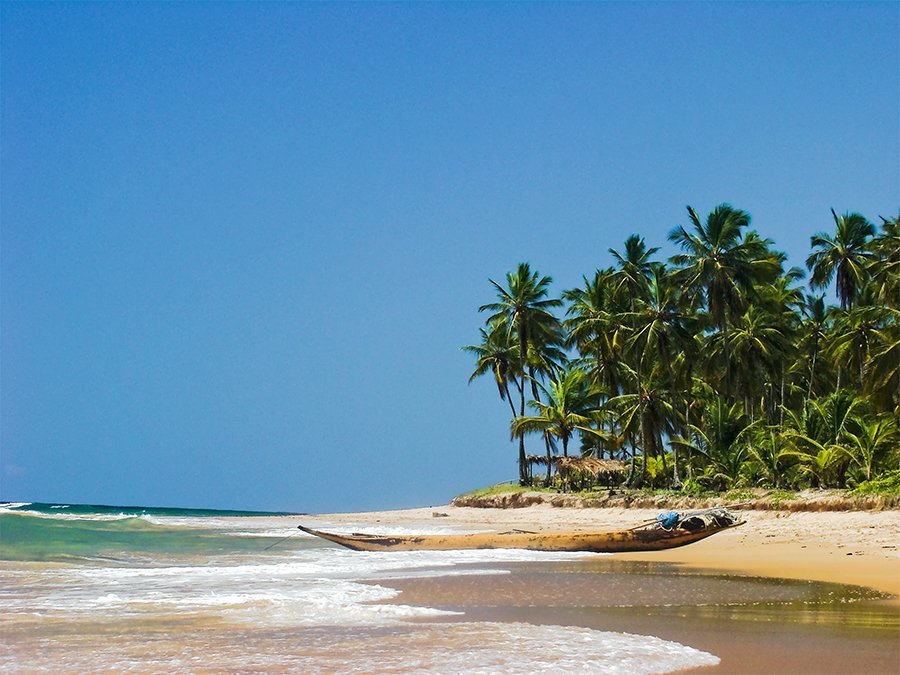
650, 537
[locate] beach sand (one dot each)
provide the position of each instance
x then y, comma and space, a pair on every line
848, 547
851, 548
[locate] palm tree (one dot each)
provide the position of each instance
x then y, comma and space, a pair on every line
722, 264
754, 347
722, 438
856, 337
782, 302
885, 265
884, 374
596, 328
647, 414
635, 267
525, 310
875, 444
820, 434
814, 327
845, 256
663, 328
568, 408
771, 455
497, 354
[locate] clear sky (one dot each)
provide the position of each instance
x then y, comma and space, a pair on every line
242, 243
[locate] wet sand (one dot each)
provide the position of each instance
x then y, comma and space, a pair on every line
751, 595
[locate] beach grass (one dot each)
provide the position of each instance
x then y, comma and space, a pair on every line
881, 494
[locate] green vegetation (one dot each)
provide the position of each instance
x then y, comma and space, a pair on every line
714, 371
498, 489
886, 485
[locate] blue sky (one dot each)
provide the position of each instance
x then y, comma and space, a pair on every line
242, 243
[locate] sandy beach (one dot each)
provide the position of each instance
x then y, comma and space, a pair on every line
847, 547
742, 569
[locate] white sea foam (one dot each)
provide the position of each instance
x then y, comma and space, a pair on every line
62, 515
329, 601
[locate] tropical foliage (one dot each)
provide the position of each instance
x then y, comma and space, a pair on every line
713, 368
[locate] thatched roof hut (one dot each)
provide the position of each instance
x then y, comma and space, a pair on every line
591, 466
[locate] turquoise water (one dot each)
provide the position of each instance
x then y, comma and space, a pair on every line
60, 532
106, 510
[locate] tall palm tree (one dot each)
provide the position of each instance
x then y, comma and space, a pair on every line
844, 256
497, 354
782, 302
523, 308
596, 328
647, 414
635, 267
755, 347
885, 265
814, 328
723, 264
720, 262
664, 328
858, 334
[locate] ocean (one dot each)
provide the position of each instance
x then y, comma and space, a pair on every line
133, 589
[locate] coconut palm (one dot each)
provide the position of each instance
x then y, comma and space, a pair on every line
885, 264
814, 328
569, 406
771, 455
874, 445
661, 322
497, 354
782, 302
857, 335
722, 264
722, 439
635, 267
647, 414
883, 374
819, 435
596, 328
664, 328
843, 257
523, 308
755, 347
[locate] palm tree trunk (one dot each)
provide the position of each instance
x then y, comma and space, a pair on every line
781, 410
687, 431
509, 400
639, 481
812, 370
549, 460
523, 461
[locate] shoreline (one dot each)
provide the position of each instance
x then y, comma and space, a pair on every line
773, 549
847, 547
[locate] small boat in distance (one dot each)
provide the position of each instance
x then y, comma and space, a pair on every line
669, 530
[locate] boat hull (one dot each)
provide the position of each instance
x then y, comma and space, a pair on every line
652, 538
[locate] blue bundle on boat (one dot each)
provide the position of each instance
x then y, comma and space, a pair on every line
668, 520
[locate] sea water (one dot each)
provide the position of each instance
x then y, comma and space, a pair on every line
124, 589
